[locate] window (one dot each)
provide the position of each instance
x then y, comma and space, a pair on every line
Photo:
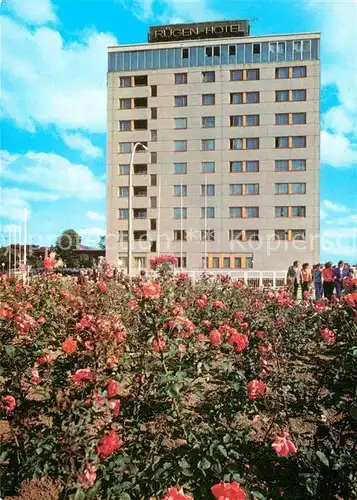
236, 234
252, 212
123, 191
281, 142
140, 124
153, 135
140, 80
123, 213
235, 212
298, 234
282, 73
299, 95
153, 246
125, 103
180, 213
153, 224
282, 119
140, 169
237, 262
140, 235
140, 191
216, 51
185, 53
180, 122
180, 168
154, 113
232, 50
282, 188
252, 189
125, 81
281, 165
252, 97
181, 261
237, 98
140, 213
124, 147
208, 144
282, 96
207, 190
299, 72
180, 235
208, 76
281, 234
180, 100
125, 125
208, 121
180, 78
124, 169
281, 212
236, 166
236, 75
207, 212
180, 146
180, 190
252, 143
236, 189
122, 261
153, 157
123, 235
226, 262
140, 102
207, 235
252, 74
208, 167
298, 142
298, 118
153, 180
298, 165
208, 99
252, 166
298, 188
252, 120
215, 262
139, 262
298, 211
153, 90
236, 121
236, 144
252, 235
209, 51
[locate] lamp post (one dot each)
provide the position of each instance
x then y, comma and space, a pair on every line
130, 219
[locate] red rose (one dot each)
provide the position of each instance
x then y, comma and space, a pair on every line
219, 304
81, 375
108, 444
102, 287
8, 403
158, 345
150, 289
114, 405
112, 360
88, 478
215, 337
260, 334
69, 346
202, 302
239, 315
200, 337
35, 377
228, 491
112, 388
176, 494
239, 340
328, 335
256, 389
133, 305
283, 446
45, 359
206, 322
41, 320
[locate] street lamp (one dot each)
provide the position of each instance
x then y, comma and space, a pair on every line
130, 220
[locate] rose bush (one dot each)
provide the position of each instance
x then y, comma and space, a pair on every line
171, 388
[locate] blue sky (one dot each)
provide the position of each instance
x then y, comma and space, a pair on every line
54, 104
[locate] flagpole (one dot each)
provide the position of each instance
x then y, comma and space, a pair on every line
9, 253
15, 231
158, 215
25, 241
205, 266
181, 227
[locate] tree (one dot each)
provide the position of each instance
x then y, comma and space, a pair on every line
101, 242
65, 244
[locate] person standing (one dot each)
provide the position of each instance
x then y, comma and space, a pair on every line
306, 278
339, 274
294, 278
317, 278
328, 275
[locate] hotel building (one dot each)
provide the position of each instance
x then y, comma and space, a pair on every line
230, 176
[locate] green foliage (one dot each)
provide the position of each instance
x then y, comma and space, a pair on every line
65, 244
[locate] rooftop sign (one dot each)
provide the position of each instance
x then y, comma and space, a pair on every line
198, 31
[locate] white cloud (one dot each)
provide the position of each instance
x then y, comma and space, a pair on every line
95, 216
341, 242
83, 144
91, 231
171, 11
47, 81
33, 12
338, 120
337, 150
333, 207
54, 174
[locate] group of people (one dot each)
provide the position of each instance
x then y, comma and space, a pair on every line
326, 279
